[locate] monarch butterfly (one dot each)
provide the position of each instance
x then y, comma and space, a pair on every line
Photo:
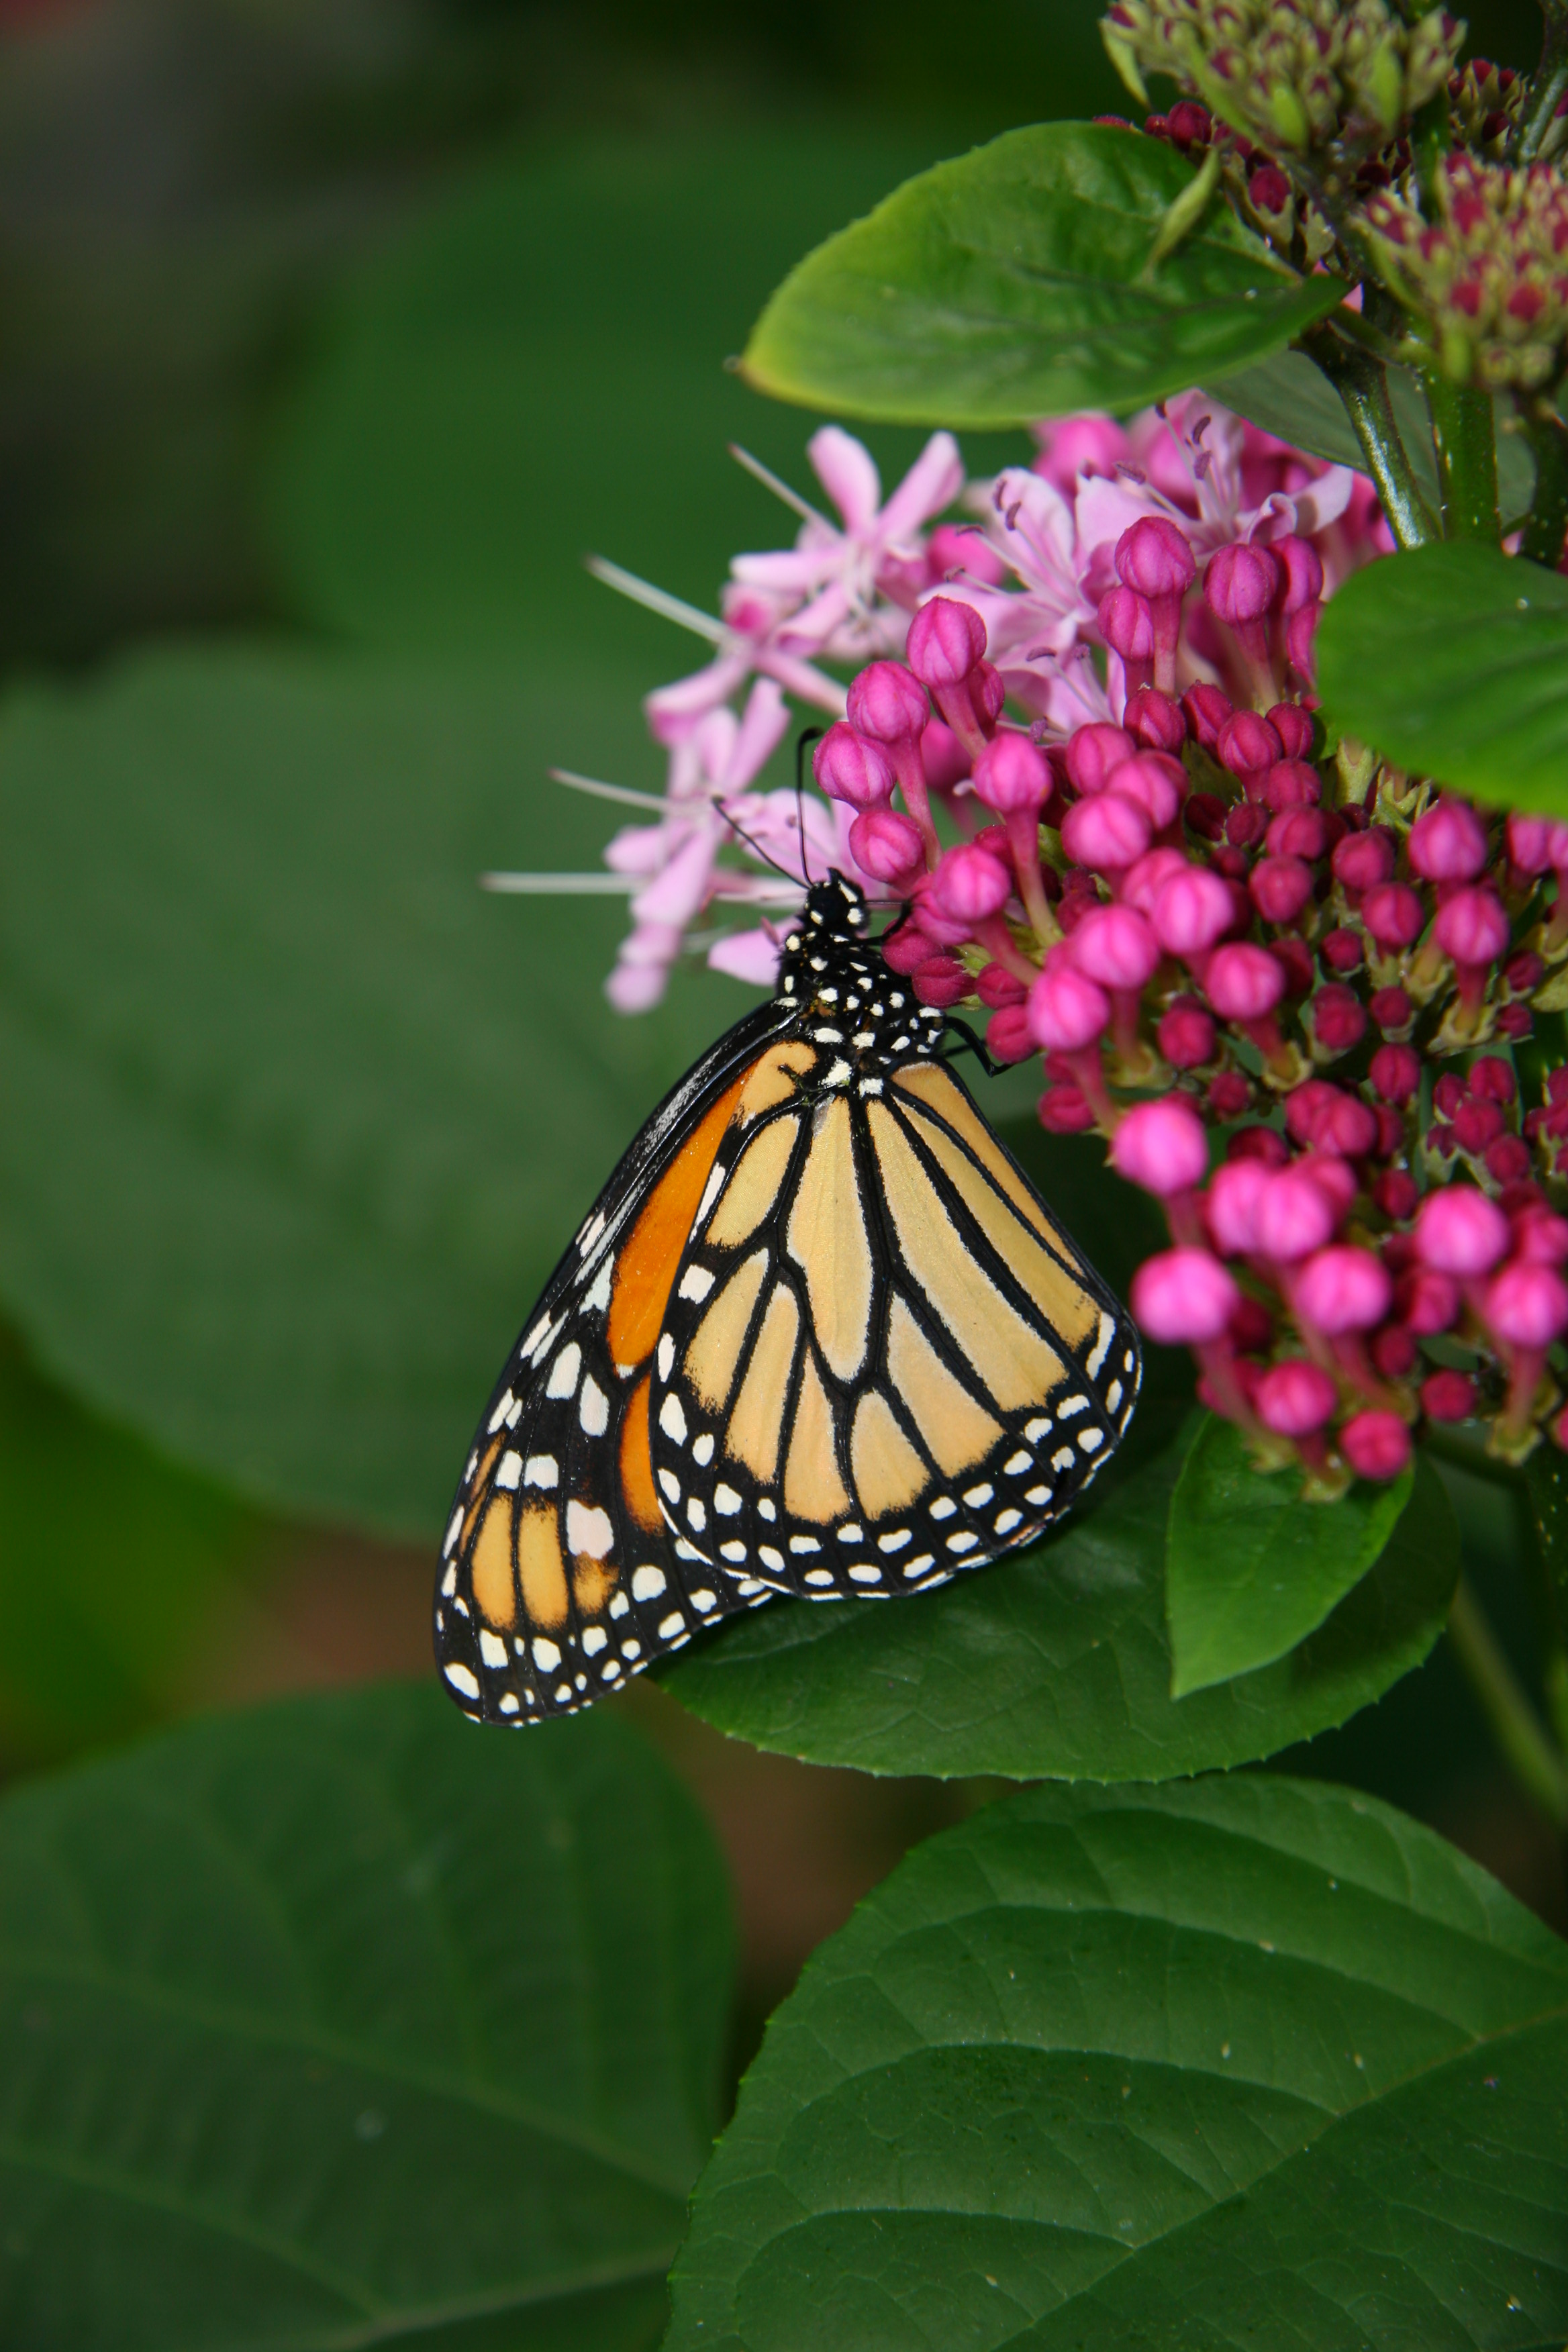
820, 1337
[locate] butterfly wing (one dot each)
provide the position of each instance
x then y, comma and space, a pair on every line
559, 1574
883, 1359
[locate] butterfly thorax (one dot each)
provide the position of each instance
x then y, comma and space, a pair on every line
848, 1001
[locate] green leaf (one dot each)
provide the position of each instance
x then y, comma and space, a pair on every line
1015, 282
1251, 1569
1058, 1664
298, 1118
1257, 2061
114, 1567
1546, 1490
333, 2025
1452, 661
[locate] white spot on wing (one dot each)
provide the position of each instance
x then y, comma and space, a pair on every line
672, 1419
1102, 1344
695, 1285
598, 1296
647, 1583
666, 1356
540, 1470
509, 1470
563, 1380
588, 1531
725, 1501
461, 1679
594, 1408
547, 1656
594, 1640
492, 1651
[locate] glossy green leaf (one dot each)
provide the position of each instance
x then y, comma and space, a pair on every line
336, 2025
298, 1118
1015, 282
1251, 1569
113, 1566
1452, 661
1254, 2062
1058, 1664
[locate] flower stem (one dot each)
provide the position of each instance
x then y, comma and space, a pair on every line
1465, 438
1515, 1726
1362, 383
1547, 526
1547, 83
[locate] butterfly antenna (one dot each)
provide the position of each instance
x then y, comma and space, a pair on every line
808, 735
758, 852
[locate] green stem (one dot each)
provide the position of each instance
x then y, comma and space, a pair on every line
1517, 1728
1547, 84
1361, 383
1547, 527
1464, 437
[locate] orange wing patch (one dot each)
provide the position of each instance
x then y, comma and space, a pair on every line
636, 1462
646, 1269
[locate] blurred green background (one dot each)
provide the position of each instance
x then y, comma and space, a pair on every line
331, 336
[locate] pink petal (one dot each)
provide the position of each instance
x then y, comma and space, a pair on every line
929, 486
751, 956
672, 711
764, 724
681, 890
848, 472
785, 570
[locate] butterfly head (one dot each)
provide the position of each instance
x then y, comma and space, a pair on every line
829, 933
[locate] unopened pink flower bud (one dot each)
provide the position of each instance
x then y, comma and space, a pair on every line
1105, 833
1447, 1396
1299, 833
1241, 583
888, 702
1491, 1079
1193, 910
1395, 1073
1396, 1195
1007, 1038
851, 767
942, 756
1162, 1146
1361, 860
1338, 1018
1392, 1009
969, 885
905, 948
1394, 915
1292, 784
1092, 751
1127, 625
1155, 558
1472, 928
990, 693
1183, 1297
1012, 774
1293, 1398
1428, 1301
1207, 709
1377, 1446
1232, 1202
1187, 1036
1448, 843
1155, 783
1066, 1109
1295, 1215
1116, 947
1527, 1305
1293, 725
1066, 1011
1460, 1232
1280, 888
1248, 745
1242, 982
943, 981
1344, 1289
946, 639
1540, 1238
1300, 570
1142, 883
886, 844
1155, 721
1300, 631
1536, 843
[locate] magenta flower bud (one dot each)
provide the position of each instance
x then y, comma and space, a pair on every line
1301, 571
887, 845
1127, 625
1192, 911
946, 640
1527, 1305
1341, 949
1536, 843
1292, 784
888, 703
1241, 583
1007, 1038
1540, 1238
1334, 1178
1013, 775
1163, 1147
986, 687
1066, 1011
1152, 783
969, 885
1066, 1109
1395, 1074
1392, 1009
1183, 1297
1247, 744
1232, 1203
1207, 709
1448, 843
1344, 1289
1447, 1396
1300, 630
1295, 1215
1428, 1301
1091, 753
1460, 1232
1106, 833
851, 767
1299, 833
1294, 727
1491, 1079
1472, 928
1187, 1036
1346, 1128
1155, 558
1116, 947
1242, 982
943, 981
1280, 888
1394, 915
942, 756
1338, 1018
1361, 860
907, 948
1154, 721
1377, 1446
1293, 1398
1142, 883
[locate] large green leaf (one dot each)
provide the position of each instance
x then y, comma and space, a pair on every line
1255, 2063
536, 370
298, 1120
333, 2025
1251, 1569
1453, 661
1018, 281
1058, 1664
